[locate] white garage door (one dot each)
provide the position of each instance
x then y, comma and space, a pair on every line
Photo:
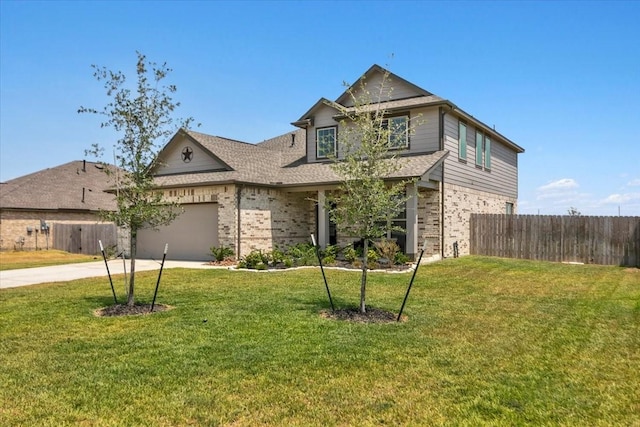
190, 236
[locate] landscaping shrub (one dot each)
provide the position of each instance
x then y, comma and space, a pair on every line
303, 254
350, 254
221, 253
387, 249
255, 259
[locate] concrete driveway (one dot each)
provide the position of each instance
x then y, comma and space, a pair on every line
67, 272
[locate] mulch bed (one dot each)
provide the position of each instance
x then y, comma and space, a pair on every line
130, 310
373, 315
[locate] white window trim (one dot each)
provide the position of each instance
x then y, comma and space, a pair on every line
335, 141
406, 131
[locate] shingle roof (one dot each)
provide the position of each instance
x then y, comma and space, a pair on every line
276, 162
76, 185
291, 146
322, 173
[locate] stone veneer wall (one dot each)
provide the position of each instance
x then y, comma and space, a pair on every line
272, 217
429, 221
13, 227
226, 198
459, 203
269, 216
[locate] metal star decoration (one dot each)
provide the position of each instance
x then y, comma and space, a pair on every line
187, 154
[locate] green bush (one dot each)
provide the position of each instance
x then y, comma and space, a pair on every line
372, 255
387, 249
400, 259
253, 259
303, 254
278, 256
329, 260
221, 253
350, 254
330, 251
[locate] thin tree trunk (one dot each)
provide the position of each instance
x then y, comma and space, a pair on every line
363, 281
132, 273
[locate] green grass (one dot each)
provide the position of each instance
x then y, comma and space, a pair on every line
12, 260
487, 342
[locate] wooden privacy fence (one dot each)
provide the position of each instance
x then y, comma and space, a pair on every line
83, 238
587, 239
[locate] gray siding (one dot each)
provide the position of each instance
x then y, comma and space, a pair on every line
501, 179
425, 138
172, 163
322, 118
401, 90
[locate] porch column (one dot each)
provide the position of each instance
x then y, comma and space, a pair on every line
412, 220
323, 221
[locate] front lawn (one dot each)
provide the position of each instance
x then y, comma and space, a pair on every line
487, 342
11, 260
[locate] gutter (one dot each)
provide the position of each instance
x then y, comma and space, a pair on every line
487, 129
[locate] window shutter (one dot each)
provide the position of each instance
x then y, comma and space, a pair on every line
479, 148
487, 153
462, 141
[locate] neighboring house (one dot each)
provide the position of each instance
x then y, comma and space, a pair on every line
31, 205
256, 196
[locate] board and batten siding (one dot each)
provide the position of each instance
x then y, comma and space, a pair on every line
172, 163
501, 179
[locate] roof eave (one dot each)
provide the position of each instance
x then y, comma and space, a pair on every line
488, 129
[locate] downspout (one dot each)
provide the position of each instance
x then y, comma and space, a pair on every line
238, 212
441, 136
442, 213
441, 127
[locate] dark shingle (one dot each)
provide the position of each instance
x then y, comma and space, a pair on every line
60, 188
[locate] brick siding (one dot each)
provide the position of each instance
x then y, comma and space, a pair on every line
460, 202
14, 225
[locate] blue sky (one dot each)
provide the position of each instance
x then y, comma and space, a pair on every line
561, 79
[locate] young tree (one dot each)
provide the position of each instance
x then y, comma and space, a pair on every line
366, 201
144, 119
572, 211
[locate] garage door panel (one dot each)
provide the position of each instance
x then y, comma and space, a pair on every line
190, 236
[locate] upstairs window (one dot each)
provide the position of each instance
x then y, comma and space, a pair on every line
487, 152
398, 131
479, 148
325, 142
462, 141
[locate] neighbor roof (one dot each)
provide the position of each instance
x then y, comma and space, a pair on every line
78, 186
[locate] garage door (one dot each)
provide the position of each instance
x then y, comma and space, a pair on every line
190, 236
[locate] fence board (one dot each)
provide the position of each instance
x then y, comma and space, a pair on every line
83, 238
585, 239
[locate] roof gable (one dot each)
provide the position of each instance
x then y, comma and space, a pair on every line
185, 154
373, 80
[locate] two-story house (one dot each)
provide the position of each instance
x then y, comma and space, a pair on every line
256, 196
